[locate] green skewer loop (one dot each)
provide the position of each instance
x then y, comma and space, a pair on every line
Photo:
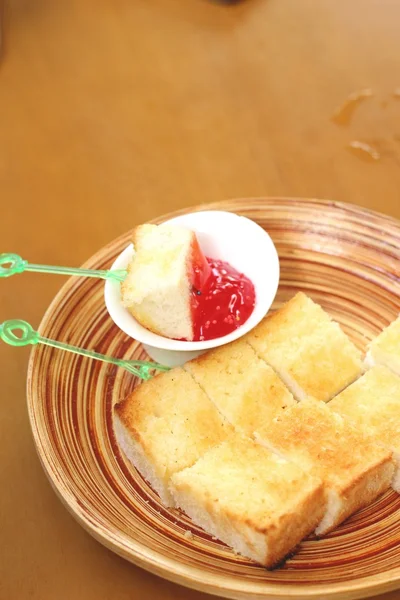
27, 335
15, 263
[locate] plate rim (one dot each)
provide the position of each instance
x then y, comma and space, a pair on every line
156, 562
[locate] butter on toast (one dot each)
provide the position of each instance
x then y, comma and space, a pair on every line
165, 425
308, 350
246, 390
372, 404
259, 504
354, 469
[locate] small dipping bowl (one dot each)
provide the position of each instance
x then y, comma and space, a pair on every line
221, 235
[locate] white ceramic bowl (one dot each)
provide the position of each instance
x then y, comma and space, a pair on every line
221, 235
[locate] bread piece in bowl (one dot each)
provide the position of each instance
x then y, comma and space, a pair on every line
167, 267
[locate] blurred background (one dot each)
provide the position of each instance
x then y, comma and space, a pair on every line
113, 112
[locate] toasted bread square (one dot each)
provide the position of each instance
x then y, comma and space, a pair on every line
372, 404
385, 348
259, 504
165, 425
354, 469
308, 350
243, 387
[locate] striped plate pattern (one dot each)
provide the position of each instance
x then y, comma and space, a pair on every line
347, 259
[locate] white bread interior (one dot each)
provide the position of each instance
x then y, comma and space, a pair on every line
157, 289
309, 351
354, 469
136, 454
259, 504
165, 425
372, 404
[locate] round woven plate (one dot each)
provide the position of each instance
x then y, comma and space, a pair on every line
345, 258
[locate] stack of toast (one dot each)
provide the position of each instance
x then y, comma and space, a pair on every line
272, 437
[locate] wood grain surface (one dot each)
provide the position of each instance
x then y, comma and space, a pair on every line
114, 112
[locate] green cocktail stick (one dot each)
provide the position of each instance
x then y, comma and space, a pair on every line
11, 264
27, 335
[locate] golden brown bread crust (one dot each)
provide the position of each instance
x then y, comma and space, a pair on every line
140, 232
296, 526
372, 404
177, 427
349, 463
388, 341
242, 386
173, 420
265, 501
310, 433
307, 349
364, 489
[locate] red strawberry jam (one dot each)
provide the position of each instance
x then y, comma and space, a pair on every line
223, 302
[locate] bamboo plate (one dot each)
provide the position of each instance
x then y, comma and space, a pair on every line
347, 259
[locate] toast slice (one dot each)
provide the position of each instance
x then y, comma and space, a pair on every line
372, 404
354, 469
165, 425
308, 350
259, 504
385, 348
245, 390
167, 265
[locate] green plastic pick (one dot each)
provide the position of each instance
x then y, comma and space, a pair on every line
28, 335
11, 264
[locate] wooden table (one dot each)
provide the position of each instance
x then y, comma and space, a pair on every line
112, 112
